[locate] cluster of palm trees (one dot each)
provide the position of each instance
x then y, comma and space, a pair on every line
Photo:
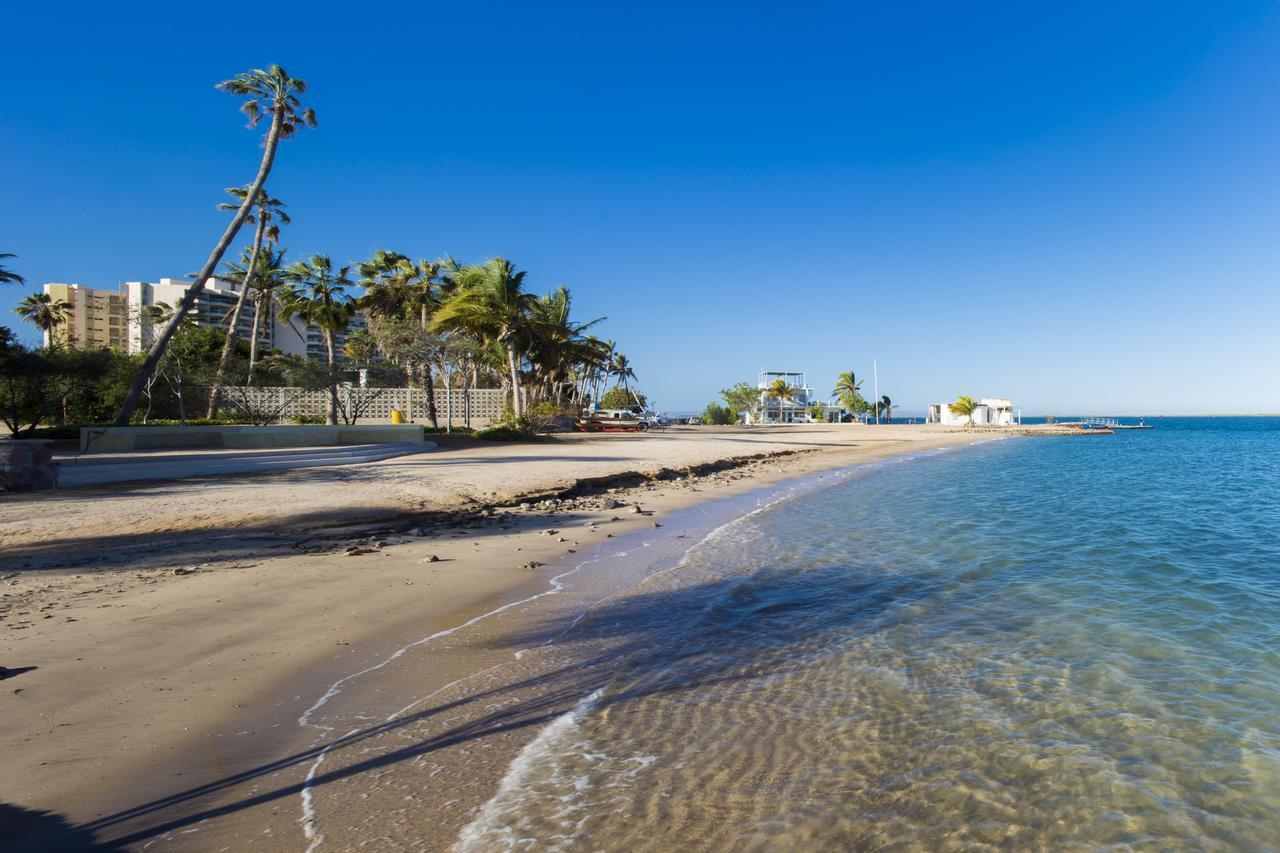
438, 320
471, 320
423, 316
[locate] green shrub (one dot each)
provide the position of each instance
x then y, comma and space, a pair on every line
618, 397
501, 432
718, 415
308, 419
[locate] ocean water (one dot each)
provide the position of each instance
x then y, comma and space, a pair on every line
1059, 643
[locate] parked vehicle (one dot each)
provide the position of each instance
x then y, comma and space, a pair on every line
633, 419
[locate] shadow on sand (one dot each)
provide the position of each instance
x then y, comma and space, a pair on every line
34, 831
747, 625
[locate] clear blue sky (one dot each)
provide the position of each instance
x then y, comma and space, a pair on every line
1076, 208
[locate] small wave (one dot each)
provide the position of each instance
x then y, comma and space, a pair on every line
490, 828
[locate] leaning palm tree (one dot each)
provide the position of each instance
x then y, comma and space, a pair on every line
7, 277
267, 215
779, 390
490, 304
318, 295
44, 312
964, 406
270, 93
884, 407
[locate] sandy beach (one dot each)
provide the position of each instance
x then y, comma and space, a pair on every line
178, 631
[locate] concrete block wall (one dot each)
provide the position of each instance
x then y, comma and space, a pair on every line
26, 466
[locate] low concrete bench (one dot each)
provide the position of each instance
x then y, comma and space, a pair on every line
115, 439
26, 465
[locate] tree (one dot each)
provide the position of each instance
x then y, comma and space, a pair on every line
718, 415
618, 397
849, 391
318, 295
964, 406
560, 355
267, 277
401, 297
884, 407
7, 277
743, 397
43, 311
490, 304
620, 369
360, 347
271, 92
34, 383
779, 390
266, 212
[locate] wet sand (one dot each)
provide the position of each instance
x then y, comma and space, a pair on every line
181, 630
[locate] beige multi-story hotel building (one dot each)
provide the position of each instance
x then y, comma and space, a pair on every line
106, 318
96, 318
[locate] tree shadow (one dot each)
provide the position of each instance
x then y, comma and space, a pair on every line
34, 831
743, 626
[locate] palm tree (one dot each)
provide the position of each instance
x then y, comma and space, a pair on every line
271, 92
360, 347
620, 368
557, 349
779, 390
396, 288
266, 213
964, 406
490, 303
318, 295
849, 390
268, 275
885, 407
7, 277
44, 312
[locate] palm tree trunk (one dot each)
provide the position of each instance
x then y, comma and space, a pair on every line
228, 345
427, 379
331, 345
513, 364
448, 398
257, 332
189, 298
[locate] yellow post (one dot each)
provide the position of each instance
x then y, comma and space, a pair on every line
397, 416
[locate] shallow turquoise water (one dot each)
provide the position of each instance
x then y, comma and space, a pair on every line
1058, 643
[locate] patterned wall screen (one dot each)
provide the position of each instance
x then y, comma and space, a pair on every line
370, 404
